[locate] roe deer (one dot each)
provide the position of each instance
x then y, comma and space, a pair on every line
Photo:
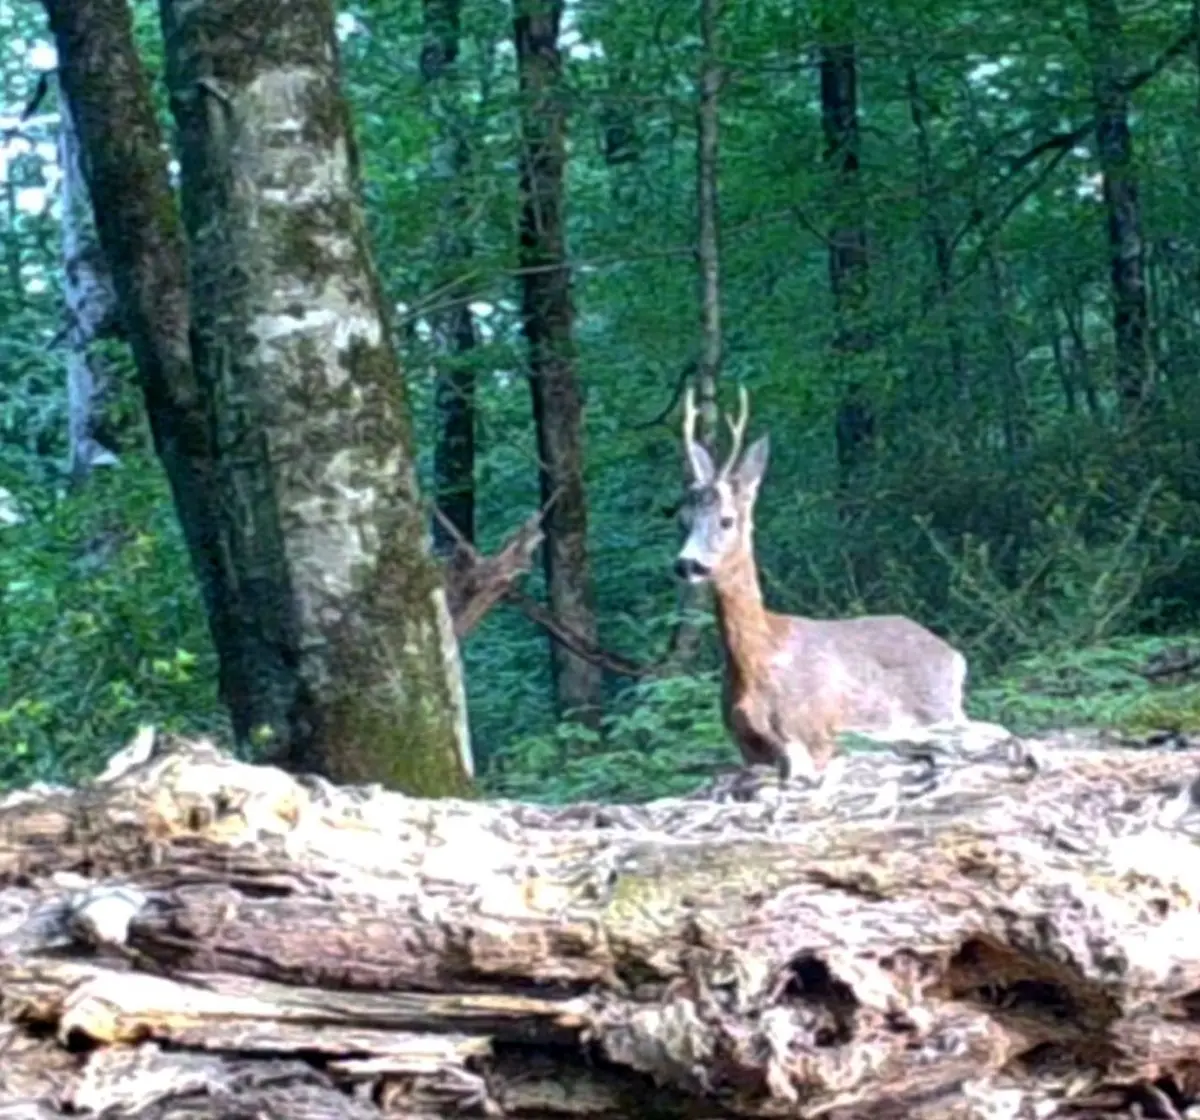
790, 684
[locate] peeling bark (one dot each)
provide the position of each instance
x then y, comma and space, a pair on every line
1114, 148
91, 313
1004, 930
548, 315
345, 658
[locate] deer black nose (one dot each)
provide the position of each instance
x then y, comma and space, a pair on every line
687, 568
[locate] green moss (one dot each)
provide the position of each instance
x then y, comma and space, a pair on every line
659, 882
297, 241
405, 746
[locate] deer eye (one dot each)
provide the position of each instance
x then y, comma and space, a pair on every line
726, 522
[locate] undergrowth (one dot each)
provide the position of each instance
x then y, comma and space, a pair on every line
1120, 684
101, 629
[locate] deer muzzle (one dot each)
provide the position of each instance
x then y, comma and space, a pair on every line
691, 570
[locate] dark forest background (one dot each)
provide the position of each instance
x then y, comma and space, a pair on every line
956, 257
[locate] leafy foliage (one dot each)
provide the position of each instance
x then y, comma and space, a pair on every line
664, 738
82, 658
1097, 686
1010, 512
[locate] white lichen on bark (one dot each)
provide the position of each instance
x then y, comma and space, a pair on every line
310, 409
91, 303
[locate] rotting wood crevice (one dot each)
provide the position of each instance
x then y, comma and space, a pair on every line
1004, 981
812, 983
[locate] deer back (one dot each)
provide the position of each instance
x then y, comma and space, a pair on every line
879, 673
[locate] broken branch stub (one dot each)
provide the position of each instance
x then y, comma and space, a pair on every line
476, 583
968, 932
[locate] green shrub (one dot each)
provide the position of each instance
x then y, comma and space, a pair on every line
101, 626
664, 737
1103, 685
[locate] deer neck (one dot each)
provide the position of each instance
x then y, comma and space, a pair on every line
742, 618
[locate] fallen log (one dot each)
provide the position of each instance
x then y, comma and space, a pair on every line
969, 931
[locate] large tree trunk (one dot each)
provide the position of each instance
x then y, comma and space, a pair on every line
1012, 934
1114, 148
92, 315
345, 654
453, 324
548, 317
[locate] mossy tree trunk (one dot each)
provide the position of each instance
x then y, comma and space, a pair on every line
285, 441
351, 663
548, 317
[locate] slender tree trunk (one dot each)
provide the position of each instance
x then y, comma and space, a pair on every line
1114, 147
454, 327
1072, 311
125, 165
11, 234
548, 315
1010, 388
848, 263
12, 245
1194, 21
1066, 378
91, 313
686, 638
943, 251
708, 244
343, 651
848, 277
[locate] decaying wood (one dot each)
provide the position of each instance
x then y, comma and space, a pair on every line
476, 583
973, 931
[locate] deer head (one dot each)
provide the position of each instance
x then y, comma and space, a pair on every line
718, 511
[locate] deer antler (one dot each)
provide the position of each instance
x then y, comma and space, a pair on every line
689, 432
737, 429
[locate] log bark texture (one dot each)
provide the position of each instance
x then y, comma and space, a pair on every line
969, 932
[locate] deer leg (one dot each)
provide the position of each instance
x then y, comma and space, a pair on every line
831, 779
830, 767
795, 760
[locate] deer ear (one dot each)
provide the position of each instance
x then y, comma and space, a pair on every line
754, 464
702, 465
